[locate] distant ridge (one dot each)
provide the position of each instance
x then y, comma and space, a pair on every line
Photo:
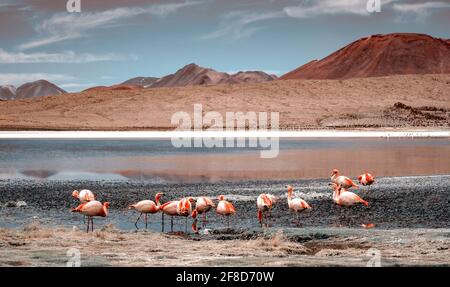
38, 88
193, 74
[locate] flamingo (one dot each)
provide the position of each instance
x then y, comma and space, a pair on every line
184, 208
366, 179
265, 203
169, 208
225, 208
343, 197
296, 204
202, 206
91, 209
84, 195
341, 180
147, 206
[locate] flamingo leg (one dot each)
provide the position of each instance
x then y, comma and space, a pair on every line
135, 224
92, 224
171, 224
204, 220
185, 225
146, 221
162, 222
87, 230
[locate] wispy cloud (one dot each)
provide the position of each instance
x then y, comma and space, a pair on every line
21, 78
313, 8
64, 57
238, 24
74, 86
421, 10
309, 9
68, 26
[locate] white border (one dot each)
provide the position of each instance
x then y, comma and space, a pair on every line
220, 134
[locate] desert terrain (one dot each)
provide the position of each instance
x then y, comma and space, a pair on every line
401, 101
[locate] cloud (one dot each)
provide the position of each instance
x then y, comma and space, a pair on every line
421, 10
328, 7
64, 57
19, 79
68, 26
310, 9
236, 24
77, 85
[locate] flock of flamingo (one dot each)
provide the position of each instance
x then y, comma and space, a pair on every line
189, 206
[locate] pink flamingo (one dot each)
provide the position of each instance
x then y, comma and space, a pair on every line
203, 205
91, 209
341, 180
297, 204
147, 206
225, 208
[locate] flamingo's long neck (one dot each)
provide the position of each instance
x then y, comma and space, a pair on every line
289, 197
157, 200
105, 211
334, 176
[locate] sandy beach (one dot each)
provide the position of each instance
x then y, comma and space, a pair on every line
404, 101
410, 214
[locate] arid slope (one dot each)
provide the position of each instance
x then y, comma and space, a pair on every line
394, 101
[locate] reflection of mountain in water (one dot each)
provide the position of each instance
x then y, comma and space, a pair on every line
38, 173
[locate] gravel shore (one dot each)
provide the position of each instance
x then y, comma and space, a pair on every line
411, 217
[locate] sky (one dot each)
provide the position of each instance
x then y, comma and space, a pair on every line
111, 41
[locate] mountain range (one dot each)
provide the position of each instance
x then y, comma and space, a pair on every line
373, 56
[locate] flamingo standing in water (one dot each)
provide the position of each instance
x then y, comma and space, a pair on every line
83, 196
265, 203
184, 208
147, 206
366, 179
91, 209
343, 197
202, 206
225, 208
169, 208
341, 180
296, 204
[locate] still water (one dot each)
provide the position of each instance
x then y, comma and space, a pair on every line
159, 161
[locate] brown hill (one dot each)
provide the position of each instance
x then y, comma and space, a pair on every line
394, 101
38, 89
381, 55
121, 87
30, 90
7, 92
141, 81
193, 75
